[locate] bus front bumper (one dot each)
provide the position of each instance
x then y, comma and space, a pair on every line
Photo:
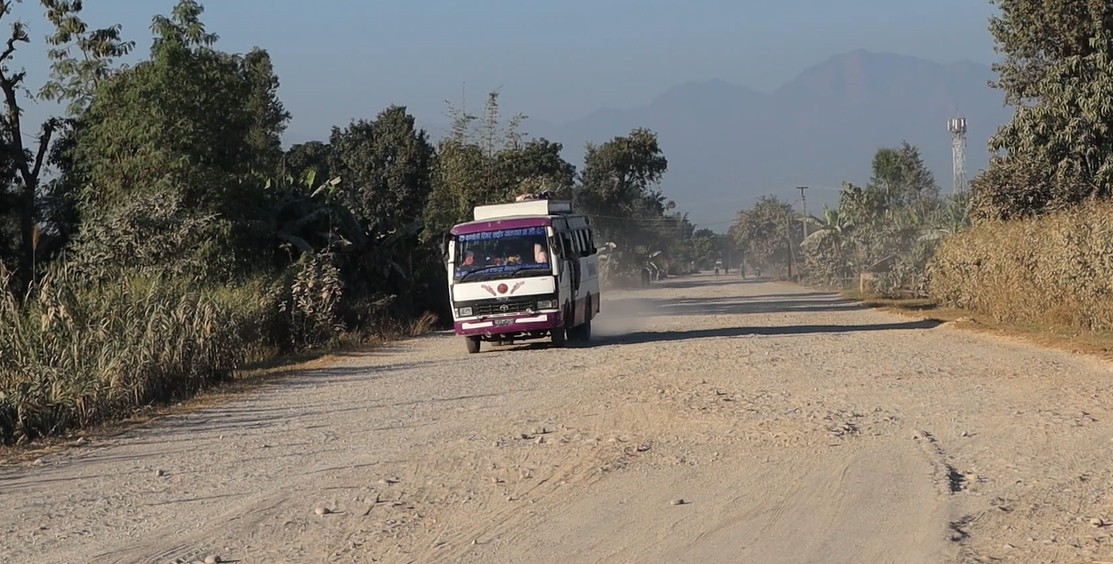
509, 325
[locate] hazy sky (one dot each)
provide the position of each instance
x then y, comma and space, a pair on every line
554, 60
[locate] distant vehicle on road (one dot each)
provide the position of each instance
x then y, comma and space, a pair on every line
523, 270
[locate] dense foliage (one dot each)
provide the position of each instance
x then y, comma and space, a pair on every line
1040, 249
1056, 269
888, 227
1057, 72
768, 236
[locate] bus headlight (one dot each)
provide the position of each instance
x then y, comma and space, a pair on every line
463, 312
546, 304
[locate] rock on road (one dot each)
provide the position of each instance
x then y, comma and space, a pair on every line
711, 420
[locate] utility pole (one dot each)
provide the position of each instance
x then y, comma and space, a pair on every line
791, 251
803, 208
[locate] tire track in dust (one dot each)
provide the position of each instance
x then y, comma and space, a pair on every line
196, 544
844, 501
567, 466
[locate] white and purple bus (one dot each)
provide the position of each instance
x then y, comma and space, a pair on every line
523, 270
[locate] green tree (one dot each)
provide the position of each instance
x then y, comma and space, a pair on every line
75, 76
535, 166
704, 246
472, 170
385, 168
620, 188
302, 158
461, 177
197, 143
830, 230
10, 236
269, 116
1057, 72
890, 212
825, 247
768, 234
206, 148
678, 240
890, 225
900, 174
216, 129
72, 78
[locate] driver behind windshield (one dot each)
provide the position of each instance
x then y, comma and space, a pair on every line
512, 251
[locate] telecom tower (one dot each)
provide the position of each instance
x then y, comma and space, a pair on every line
957, 127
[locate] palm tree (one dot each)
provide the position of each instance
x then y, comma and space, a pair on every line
832, 228
949, 219
832, 232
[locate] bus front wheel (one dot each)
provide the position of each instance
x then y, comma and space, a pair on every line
559, 335
473, 344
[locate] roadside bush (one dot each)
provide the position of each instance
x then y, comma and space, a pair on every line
824, 265
78, 353
153, 233
313, 304
909, 275
1055, 269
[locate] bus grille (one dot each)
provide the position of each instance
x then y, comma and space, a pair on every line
496, 308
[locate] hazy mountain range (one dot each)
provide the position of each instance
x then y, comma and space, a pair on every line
728, 144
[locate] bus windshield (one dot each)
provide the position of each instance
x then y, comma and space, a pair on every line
504, 253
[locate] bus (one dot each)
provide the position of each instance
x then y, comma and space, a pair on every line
523, 270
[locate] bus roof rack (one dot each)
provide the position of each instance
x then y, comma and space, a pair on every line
524, 205
542, 195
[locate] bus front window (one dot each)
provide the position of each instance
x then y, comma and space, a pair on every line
502, 253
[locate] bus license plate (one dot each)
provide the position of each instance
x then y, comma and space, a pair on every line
502, 322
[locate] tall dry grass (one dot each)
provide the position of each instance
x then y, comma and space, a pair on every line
76, 354
79, 351
1056, 269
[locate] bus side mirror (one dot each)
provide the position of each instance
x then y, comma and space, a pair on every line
557, 251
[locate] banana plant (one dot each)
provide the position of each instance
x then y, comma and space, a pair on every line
311, 217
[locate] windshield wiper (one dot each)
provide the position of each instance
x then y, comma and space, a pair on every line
465, 275
508, 273
540, 267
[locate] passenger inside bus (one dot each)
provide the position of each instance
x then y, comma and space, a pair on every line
509, 251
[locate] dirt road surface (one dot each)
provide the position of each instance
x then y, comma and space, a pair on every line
711, 420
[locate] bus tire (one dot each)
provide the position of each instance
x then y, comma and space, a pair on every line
559, 335
582, 332
473, 344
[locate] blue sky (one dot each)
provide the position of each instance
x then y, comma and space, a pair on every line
554, 60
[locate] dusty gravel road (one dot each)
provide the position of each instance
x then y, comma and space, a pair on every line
794, 427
